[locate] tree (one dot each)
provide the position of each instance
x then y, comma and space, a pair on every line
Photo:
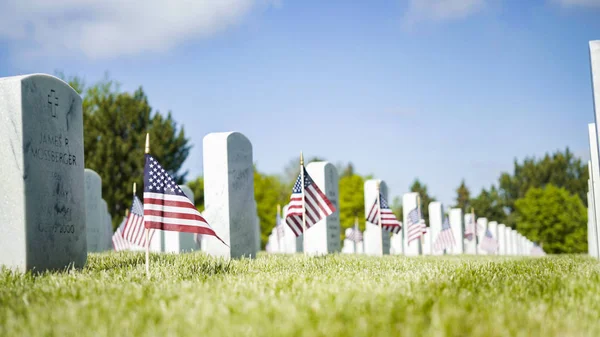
267, 194
559, 169
197, 186
351, 201
420, 188
115, 127
554, 217
463, 197
489, 204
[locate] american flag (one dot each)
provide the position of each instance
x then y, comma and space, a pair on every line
316, 205
415, 225
355, 235
166, 207
445, 238
119, 243
388, 219
537, 250
488, 243
134, 230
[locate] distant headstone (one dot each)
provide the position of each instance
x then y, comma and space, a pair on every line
373, 235
508, 244
470, 245
436, 216
396, 243
106, 227
229, 194
109, 231
427, 245
42, 204
324, 236
493, 227
502, 239
456, 222
94, 216
482, 224
180, 242
515, 242
409, 202
291, 243
594, 176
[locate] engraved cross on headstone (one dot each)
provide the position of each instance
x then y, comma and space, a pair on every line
53, 101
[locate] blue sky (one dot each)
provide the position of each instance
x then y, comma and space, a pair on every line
436, 89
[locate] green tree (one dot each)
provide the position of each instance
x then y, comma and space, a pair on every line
115, 127
397, 208
554, 217
489, 204
351, 201
463, 197
197, 186
561, 169
267, 194
420, 188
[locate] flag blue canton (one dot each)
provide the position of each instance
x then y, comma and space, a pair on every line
307, 182
414, 216
137, 208
382, 202
158, 180
446, 224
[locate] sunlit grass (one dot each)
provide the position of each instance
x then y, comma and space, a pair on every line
335, 295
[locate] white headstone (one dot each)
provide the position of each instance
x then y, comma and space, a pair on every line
109, 231
409, 202
509, 241
351, 247
436, 216
595, 72
592, 242
482, 226
456, 222
493, 227
229, 194
42, 205
180, 242
502, 239
594, 176
373, 235
396, 243
94, 216
515, 242
324, 236
470, 245
291, 243
106, 227
427, 242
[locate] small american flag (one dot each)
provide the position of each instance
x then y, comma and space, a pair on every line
415, 225
119, 243
472, 228
134, 230
488, 243
355, 235
388, 219
537, 250
166, 207
445, 239
316, 204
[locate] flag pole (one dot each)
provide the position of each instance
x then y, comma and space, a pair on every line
303, 203
476, 237
277, 229
379, 215
147, 150
355, 233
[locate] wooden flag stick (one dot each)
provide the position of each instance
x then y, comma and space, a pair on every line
379, 216
303, 203
147, 150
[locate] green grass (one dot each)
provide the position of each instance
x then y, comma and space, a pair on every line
335, 295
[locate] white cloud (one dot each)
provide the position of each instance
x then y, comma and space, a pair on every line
110, 28
440, 10
582, 3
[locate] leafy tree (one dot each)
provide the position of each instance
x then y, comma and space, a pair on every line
463, 197
267, 194
197, 186
397, 208
489, 204
554, 217
559, 169
115, 127
420, 188
351, 201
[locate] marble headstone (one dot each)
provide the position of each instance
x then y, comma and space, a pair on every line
396, 244
493, 227
229, 194
508, 244
42, 206
373, 235
436, 216
594, 176
470, 245
324, 236
482, 224
105, 237
409, 202
94, 216
515, 242
501, 239
456, 222
291, 243
427, 242
595, 73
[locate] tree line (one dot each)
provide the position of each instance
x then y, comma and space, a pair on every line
543, 198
